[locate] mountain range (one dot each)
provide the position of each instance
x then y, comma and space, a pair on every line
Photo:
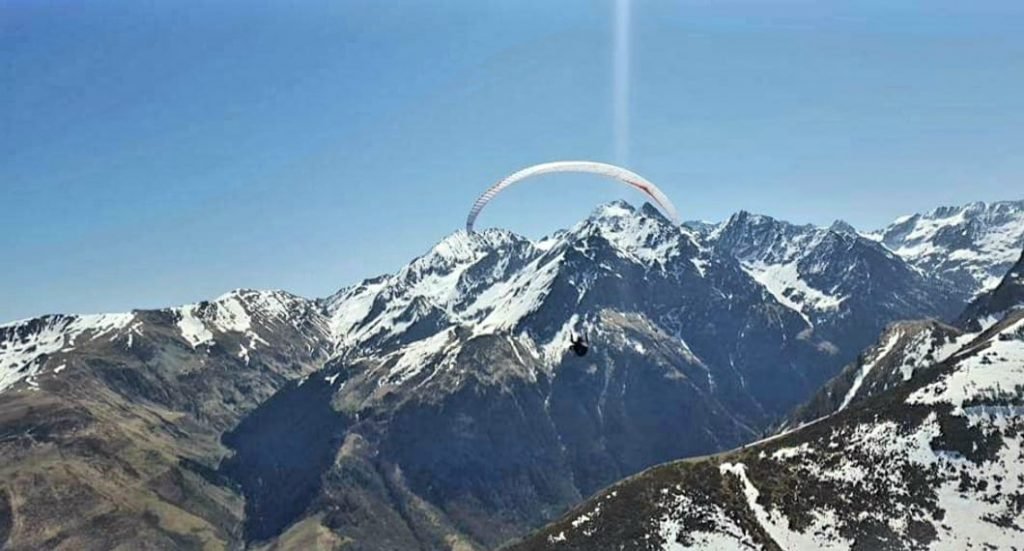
437, 408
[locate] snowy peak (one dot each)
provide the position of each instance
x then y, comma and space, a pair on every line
245, 312
619, 212
759, 238
971, 245
492, 280
753, 238
612, 211
496, 281
841, 226
444, 263
462, 247
830, 276
240, 323
434, 291
620, 217
645, 236
932, 263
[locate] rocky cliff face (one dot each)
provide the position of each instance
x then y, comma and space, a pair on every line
436, 407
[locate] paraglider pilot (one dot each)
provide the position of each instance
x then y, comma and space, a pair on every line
580, 345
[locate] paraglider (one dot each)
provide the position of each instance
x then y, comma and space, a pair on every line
580, 345
619, 174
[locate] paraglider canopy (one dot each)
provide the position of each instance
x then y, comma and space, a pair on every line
616, 173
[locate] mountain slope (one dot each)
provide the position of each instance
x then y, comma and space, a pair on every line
620, 259
534, 429
463, 350
995, 303
903, 348
110, 428
923, 451
933, 463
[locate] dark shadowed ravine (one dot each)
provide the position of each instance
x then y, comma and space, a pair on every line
281, 450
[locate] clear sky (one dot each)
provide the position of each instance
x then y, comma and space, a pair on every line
156, 153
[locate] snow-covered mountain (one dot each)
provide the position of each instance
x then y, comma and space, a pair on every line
934, 462
970, 246
845, 286
436, 406
237, 324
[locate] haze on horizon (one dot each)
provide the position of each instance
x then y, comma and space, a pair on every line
162, 154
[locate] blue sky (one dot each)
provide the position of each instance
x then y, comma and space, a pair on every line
156, 153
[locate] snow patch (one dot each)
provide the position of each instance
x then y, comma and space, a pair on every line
726, 534
554, 349
192, 327
411, 359
784, 283
992, 372
501, 306
701, 265
890, 343
783, 454
821, 535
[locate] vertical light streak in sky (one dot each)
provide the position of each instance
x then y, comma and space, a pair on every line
621, 56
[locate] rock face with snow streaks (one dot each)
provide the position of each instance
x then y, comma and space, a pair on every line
970, 246
846, 287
